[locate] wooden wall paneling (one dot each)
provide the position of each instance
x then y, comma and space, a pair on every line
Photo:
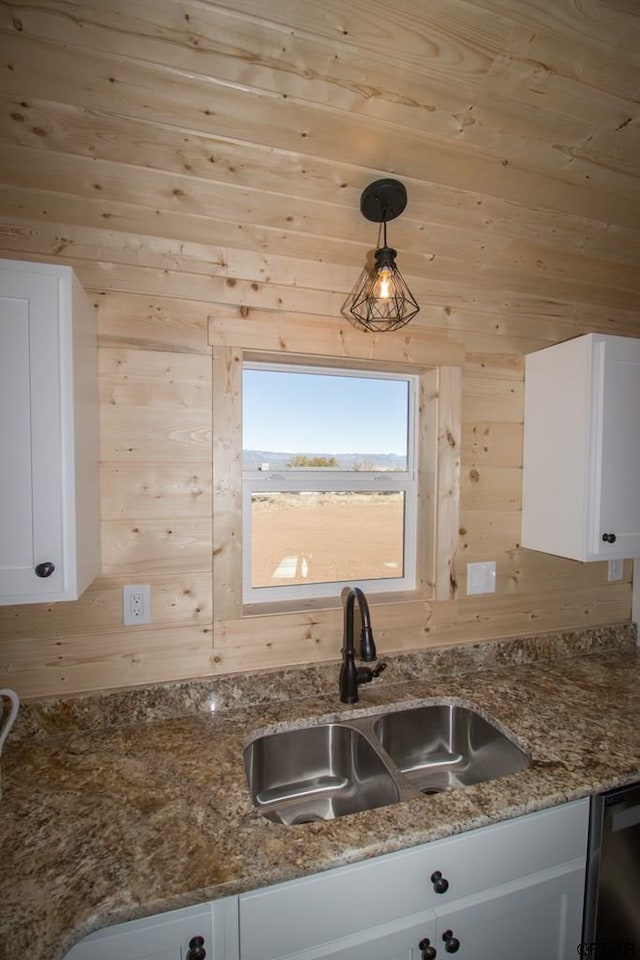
182, 598
179, 258
491, 488
141, 378
449, 443
200, 167
427, 464
152, 323
122, 188
492, 399
140, 547
436, 294
138, 433
156, 478
498, 364
491, 329
227, 483
494, 443
59, 664
329, 336
149, 491
478, 618
131, 427
151, 198
486, 534
534, 256
528, 572
464, 313
311, 636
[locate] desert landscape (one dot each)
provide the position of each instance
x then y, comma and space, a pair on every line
320, 537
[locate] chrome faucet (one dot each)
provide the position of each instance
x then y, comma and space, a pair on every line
350, 675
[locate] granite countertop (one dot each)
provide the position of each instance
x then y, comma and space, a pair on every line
124, 805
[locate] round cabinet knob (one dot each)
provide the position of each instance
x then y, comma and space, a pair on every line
609, 537
451, 943
196, 949
428, 952
44, 569
440, 883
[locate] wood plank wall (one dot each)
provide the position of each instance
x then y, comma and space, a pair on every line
195, 159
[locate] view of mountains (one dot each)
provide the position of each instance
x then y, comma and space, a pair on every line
277, 460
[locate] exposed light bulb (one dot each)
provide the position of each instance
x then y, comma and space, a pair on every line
382, 287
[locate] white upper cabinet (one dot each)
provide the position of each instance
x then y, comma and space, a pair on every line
581, 495
49, 484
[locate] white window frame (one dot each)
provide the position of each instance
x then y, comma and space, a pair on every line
306, 479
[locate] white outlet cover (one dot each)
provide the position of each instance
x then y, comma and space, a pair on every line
481, 577
136, 604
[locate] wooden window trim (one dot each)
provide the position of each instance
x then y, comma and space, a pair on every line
439, 448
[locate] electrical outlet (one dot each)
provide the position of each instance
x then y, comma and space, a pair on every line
136, 604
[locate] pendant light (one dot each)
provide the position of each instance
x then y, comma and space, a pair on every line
382, 300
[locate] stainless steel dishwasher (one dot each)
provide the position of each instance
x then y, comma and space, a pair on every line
612, 898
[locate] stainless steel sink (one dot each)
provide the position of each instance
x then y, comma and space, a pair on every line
317, 773
446, 745
330, 770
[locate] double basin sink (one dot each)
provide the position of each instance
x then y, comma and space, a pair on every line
329, 770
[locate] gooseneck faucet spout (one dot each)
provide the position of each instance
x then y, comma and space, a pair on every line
351, 675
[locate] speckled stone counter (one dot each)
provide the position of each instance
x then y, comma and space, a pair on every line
126, 804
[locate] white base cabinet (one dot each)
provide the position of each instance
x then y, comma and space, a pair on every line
514, 889
581, 460
49, 442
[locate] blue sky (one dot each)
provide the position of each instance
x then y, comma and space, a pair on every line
319, 413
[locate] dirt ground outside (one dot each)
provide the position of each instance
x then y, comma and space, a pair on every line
324, 537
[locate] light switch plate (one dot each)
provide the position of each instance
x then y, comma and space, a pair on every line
481, 577
616, 570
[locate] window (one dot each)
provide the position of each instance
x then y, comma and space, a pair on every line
329, 481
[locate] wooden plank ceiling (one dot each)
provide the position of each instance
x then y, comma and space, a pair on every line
235, 139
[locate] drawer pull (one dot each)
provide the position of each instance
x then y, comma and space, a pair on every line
428, 952
451, 943
440, 883
196, 949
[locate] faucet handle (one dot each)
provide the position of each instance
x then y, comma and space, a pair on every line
366, 674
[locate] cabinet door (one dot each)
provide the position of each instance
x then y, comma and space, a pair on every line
618, 412
31, 473
538, 917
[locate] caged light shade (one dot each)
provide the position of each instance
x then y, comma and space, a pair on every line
382, 300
